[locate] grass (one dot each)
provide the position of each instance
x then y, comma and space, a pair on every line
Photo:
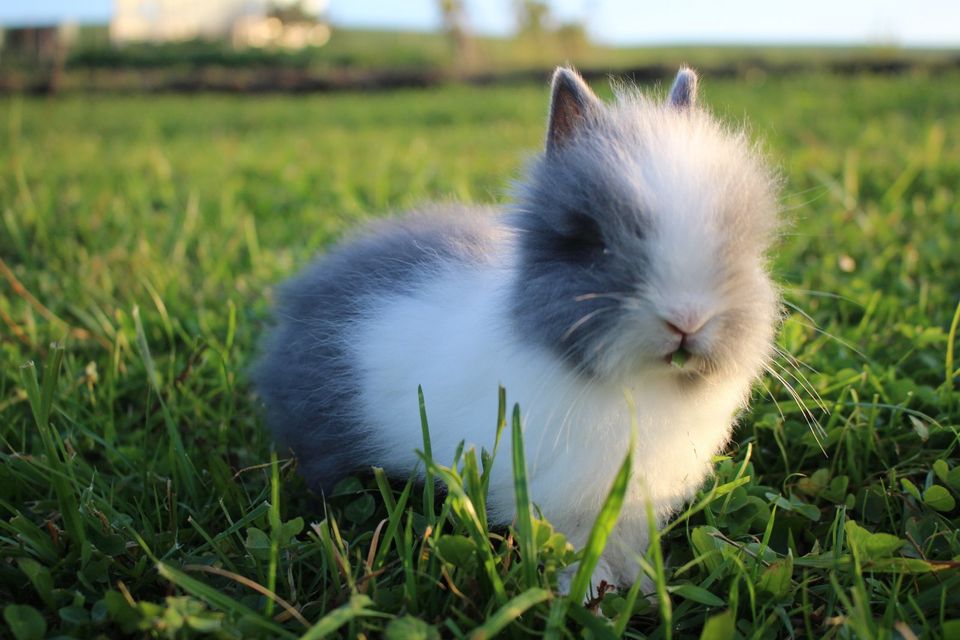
139, 495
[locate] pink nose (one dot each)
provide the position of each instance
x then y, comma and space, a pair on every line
684, 325
677, 330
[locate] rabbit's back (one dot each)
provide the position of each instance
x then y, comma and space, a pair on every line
307, 374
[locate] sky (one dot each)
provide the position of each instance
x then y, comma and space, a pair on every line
916, 23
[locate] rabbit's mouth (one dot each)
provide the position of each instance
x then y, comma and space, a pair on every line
678, 358
690, 364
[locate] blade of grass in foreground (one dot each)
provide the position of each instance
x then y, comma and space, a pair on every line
275, 531
950, 371
210, 595
659, 575
509, 612
220, 600
180, 462
395, 511
466, 511
472, 484
357, 607
602, 527
429, 488
528, 547
501, 425
41, 402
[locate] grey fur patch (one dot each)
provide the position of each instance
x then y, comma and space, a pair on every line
683, 93
578, 230
305, 375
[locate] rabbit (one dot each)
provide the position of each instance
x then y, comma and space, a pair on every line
632, 264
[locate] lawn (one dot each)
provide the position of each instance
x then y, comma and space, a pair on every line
142, 236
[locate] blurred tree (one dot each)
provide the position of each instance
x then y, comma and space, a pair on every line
293, 12
455, 26
544, 40
573, 39
533, 17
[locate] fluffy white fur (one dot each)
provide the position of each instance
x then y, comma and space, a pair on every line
453, 338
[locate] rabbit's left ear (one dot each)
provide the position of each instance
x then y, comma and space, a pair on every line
571, 101
683, 93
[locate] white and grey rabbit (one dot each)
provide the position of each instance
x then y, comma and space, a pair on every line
632, 261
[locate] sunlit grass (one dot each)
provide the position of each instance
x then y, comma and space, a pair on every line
138, 491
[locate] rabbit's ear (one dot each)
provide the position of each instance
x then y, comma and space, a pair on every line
683, 93
571, 99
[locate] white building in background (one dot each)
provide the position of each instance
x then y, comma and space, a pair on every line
268, 31
172, 20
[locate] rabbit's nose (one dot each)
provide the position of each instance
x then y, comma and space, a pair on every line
685, 324
677, 330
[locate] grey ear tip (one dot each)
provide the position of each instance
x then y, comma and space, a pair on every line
687, 74
683, 93
565, 74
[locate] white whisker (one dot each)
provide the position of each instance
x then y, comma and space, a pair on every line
801, 379
583, 320
812, 423
614, 295
813, 325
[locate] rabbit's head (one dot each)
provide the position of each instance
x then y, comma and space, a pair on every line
643, 234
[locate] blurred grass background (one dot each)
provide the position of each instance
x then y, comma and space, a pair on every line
378, 59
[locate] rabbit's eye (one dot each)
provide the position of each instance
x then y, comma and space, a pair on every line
582, 239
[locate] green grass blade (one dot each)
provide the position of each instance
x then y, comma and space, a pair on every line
513, 609
501, 425
61, 475
210, 542
179, 459
395, 515
254, 514
358, 606
429, 487
386, 491
528, 547
216, 598
474, 487
630, 601
29, 536
598, 626
951, 371
602, 527
466, 511
409, 568
659, 574
556, 619
276, 526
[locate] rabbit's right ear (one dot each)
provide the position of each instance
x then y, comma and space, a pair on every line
683, 93
570, 102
